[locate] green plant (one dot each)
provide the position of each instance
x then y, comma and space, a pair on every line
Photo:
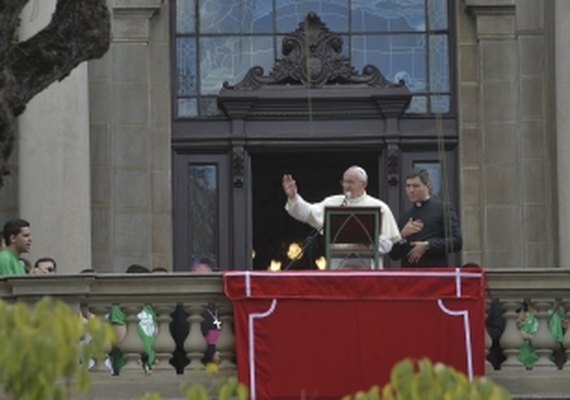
41, 355
426, 381
229, 389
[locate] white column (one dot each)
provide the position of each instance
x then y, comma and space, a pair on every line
562, 79
53, 146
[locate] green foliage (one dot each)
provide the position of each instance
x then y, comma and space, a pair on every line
41, 356
151, 396
230, 389
425, 381
196, 391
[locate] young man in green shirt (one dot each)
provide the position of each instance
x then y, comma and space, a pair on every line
18, 239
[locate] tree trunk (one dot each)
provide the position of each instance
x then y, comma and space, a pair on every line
79, 30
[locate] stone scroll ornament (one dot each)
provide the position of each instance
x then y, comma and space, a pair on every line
312, 57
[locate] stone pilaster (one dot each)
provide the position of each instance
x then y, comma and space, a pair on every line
562, 78
53, 152
509, 180
131, 201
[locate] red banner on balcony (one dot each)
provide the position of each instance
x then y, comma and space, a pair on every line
322, 335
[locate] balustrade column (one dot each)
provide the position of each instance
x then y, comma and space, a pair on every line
195, 344
131, 346
226, 342
101, 311
542, 341
164, 344
488, 340
566, 339
511, 340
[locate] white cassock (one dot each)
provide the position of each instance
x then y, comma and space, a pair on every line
314, 215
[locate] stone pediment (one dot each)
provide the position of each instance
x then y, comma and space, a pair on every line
313, 75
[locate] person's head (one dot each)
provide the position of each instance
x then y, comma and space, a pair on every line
137, 269
418, 185
201, 265
159, 269
17, 235
354, 181
44, 265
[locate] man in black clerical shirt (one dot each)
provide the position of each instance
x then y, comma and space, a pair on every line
430, 230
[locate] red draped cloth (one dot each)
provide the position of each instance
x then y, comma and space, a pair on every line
325, 334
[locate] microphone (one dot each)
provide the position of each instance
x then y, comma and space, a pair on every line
347, 197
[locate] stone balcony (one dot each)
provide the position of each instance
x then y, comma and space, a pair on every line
540, 289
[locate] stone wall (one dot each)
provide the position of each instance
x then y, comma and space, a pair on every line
130, 141
505, 101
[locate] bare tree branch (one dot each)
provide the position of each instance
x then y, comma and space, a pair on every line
9, 19
79, 30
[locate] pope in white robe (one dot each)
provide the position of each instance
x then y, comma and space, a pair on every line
354, 184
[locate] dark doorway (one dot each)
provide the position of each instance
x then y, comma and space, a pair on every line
317, 174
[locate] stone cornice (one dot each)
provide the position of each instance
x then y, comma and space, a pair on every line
490, 7
131, 19
495, 19
151, 6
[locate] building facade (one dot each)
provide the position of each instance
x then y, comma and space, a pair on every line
135, 159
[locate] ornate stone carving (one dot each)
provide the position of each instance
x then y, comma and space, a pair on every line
312, 58
393, 165
238, 166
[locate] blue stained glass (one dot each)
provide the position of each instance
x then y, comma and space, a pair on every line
186, 65
187, 108
437, 10
440, 104
209, 107
388, 15
345, 50
439, 63
185, 16
399, 57
333, 13
434, 170
203, 210
236, 16
418, 105
228, 58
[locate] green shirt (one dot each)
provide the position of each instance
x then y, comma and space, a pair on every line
10, 264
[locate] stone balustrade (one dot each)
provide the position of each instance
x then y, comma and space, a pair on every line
164, 291
540, 290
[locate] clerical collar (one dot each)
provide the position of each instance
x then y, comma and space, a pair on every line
420, 204
353, 200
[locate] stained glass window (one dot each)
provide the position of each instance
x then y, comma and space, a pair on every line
202, 209
220, 40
